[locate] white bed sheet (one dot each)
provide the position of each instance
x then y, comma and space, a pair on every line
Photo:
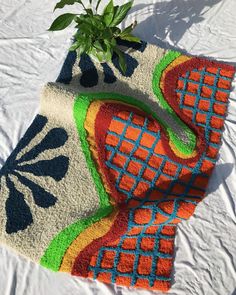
205, 260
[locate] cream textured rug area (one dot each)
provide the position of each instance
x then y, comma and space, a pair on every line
113, 162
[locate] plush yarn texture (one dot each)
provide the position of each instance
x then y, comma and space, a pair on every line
113, 162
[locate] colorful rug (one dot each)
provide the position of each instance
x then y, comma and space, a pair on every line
113, 162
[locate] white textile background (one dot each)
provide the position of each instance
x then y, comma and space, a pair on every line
30, 56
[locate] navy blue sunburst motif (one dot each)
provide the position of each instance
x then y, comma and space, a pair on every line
18, 212
89, 74
89, 77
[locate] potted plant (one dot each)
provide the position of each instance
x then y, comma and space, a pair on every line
97, 34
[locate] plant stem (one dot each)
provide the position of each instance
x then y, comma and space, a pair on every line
83, 5
99, 1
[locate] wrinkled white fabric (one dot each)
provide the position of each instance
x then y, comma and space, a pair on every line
30, 56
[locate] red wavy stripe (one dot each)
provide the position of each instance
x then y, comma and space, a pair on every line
170, 82
82, 261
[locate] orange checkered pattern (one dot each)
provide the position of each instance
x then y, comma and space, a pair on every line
203, 96
142, 257
141, 169
159, 191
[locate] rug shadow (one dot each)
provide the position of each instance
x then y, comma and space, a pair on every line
222, 171
170, 19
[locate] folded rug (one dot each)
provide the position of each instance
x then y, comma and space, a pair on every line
113, 162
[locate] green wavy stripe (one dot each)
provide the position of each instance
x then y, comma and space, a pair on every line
185, 148
55, 252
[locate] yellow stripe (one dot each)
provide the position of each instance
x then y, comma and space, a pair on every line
179, 154
95, 231
89, 125
101, 227
179, 60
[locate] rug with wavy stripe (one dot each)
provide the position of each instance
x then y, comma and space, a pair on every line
113, 162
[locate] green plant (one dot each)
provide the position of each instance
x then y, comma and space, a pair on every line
97, 34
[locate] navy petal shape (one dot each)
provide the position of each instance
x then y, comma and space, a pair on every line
18, 212
35, 128
65, 75
41, 197
109, 76
55, 138
137, 46
55, 168
131, 62
89, 77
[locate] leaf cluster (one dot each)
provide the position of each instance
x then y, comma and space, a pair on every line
97, 34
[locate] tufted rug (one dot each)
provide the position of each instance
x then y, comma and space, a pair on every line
99, 182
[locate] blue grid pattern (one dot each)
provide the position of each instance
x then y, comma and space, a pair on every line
158, 171
155, 254
198, 97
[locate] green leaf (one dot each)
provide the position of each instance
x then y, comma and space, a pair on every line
74, 46
76, 35
106, 34
97, 22
130, 38
110, 42
97, 44
82, 17
109, 50
63, 3
82, 44
89, 11
108, 13
127, 30
121, 13
108, 54
122, 62
62, 21
99, 55
90, 25
86, 28
85, 47
116, 31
